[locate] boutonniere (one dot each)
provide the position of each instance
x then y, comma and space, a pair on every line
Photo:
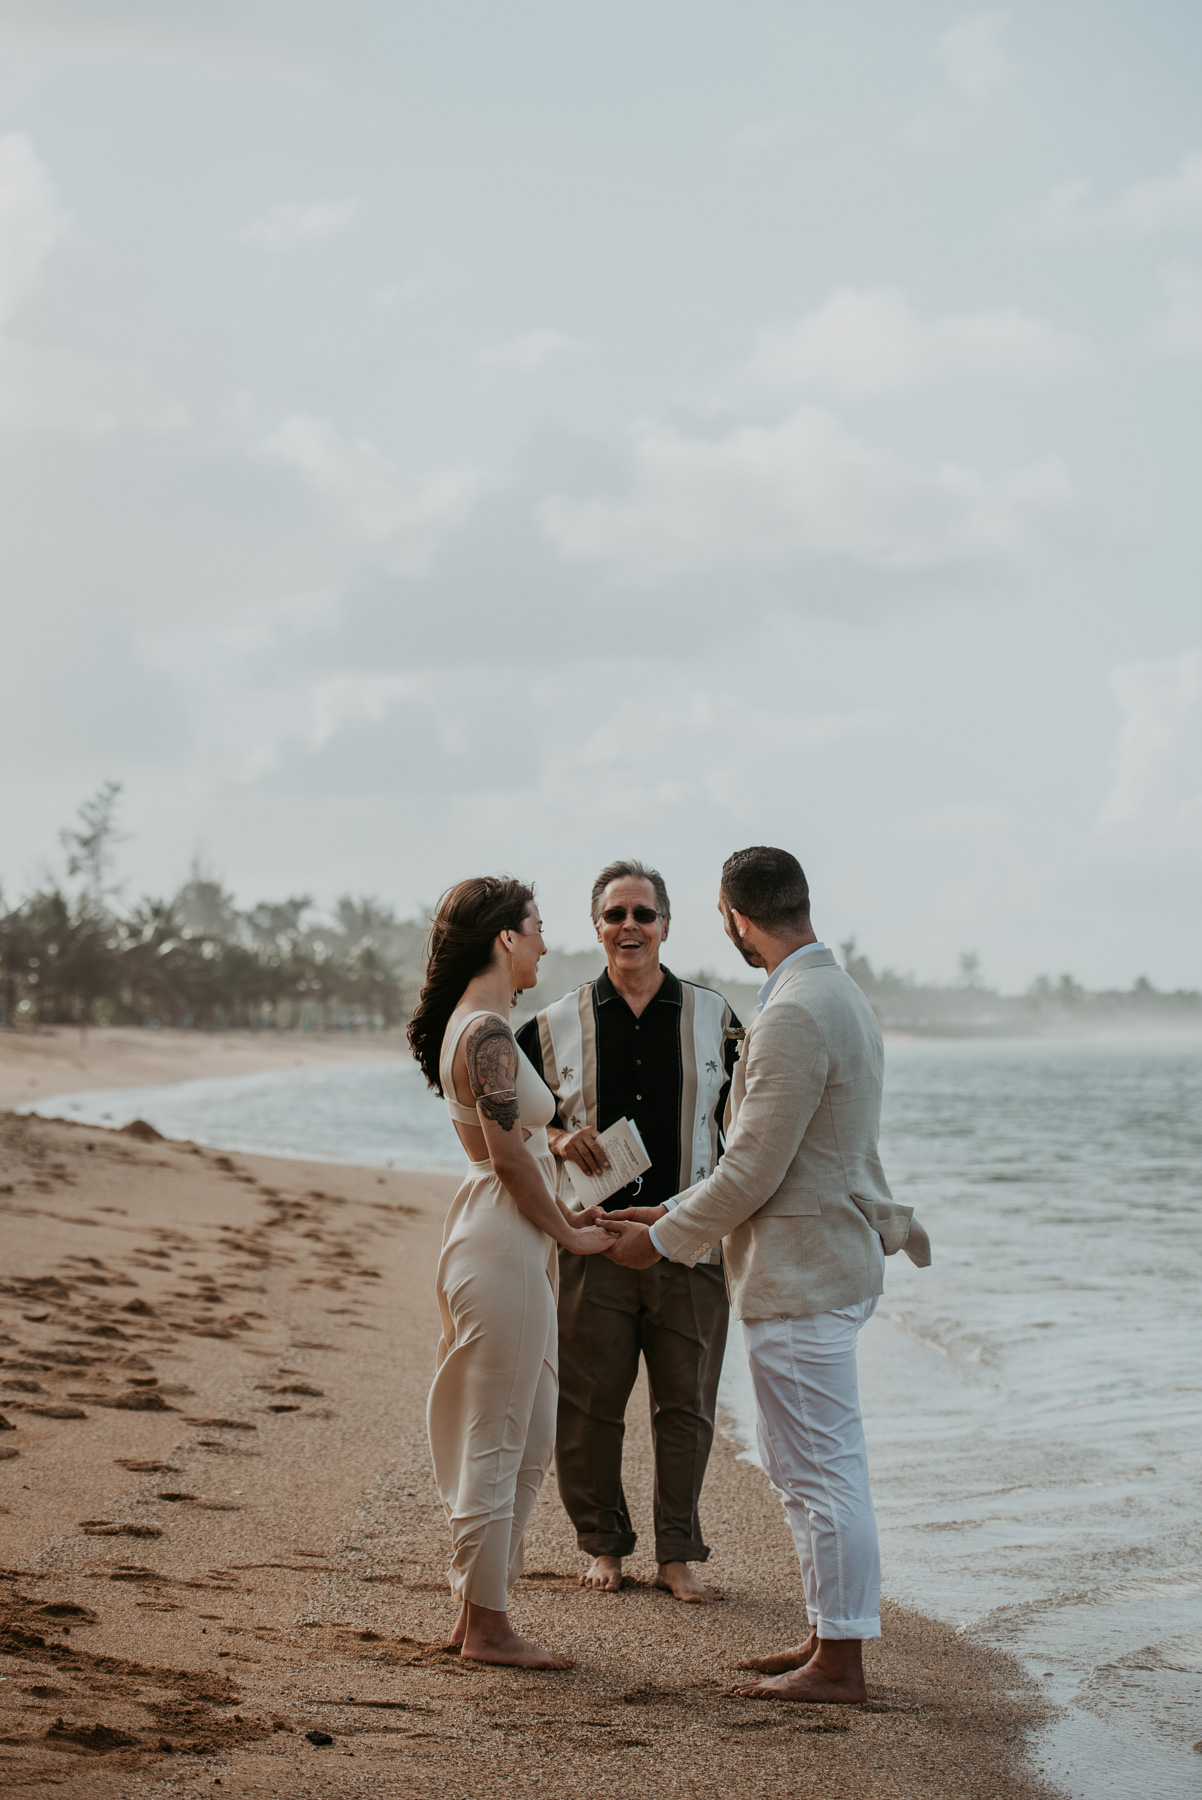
735, 1034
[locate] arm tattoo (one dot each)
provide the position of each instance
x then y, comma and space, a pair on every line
492, 1070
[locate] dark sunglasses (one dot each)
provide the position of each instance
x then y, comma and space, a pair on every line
642, 915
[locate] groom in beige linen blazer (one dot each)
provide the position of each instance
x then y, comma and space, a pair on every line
801, 1206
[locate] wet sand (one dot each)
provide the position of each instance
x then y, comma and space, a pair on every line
59, 1059
220, 1532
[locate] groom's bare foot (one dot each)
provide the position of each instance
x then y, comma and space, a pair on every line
784, 1661
455, 1641
834, 1676
682, 1583
604, 1574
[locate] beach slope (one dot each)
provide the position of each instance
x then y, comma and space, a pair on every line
58, 1059
220, 1532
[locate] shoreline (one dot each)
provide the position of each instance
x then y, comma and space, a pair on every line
287, 1549
40, 1062
37, 1063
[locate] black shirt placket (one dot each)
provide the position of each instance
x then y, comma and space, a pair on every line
639, 1077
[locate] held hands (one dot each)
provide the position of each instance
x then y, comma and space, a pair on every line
591, 1240
632, 1248
626, 1240
638, 1215
590, 1215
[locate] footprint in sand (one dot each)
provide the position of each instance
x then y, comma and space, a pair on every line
138, 1400
98, 1738
174, 1497
67, 1609
106, 1528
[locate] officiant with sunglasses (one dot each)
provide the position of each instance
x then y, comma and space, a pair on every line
641, 1044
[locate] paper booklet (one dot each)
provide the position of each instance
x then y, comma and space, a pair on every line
628, 1159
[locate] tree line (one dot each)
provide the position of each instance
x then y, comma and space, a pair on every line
72, 953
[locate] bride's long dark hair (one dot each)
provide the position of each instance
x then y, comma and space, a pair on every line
462, 940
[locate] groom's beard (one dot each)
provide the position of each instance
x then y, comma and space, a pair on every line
752, 957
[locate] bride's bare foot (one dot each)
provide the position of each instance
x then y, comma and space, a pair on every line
457, 1636
512, 1652
490, 1638
681, 1582
834, 1676
784, 1660
604, 1574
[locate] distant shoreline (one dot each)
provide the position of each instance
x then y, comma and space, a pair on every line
39, 1061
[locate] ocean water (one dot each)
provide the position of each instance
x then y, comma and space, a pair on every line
1033, 1401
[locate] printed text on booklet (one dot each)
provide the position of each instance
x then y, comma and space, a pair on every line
628, 1160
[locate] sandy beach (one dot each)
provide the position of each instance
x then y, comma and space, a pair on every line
58, 1059
220, 1530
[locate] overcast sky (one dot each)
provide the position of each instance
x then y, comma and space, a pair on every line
457, 438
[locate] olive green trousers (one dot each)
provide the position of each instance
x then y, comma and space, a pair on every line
675, 1318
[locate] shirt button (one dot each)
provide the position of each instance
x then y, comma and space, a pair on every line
638, 1096
638, 1062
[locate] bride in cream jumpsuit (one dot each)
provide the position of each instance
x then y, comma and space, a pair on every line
491, 1411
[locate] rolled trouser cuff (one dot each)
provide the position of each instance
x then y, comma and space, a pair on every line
847, 1628
683, 1550
606, 1543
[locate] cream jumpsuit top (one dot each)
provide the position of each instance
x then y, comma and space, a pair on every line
491, 1411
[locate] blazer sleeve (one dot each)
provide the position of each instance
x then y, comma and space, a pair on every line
787, 1065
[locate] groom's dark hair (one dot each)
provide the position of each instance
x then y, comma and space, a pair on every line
768, 887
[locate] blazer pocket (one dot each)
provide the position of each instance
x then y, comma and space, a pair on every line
790, 1201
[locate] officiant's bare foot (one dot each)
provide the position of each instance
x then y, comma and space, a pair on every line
455, 1641
490, 1638
682, 1583
784, 1661
834, 1676
604, 1574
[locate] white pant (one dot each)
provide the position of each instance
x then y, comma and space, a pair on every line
811, 1440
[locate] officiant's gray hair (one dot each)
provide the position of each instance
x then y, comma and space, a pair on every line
628, 869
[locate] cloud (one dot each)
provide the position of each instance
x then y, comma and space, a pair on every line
353, 697
404, 518
281, 40
398, 293
1155, 801
973, 56
1178, 331
529, 352
712, 753
864, 341
300, 222
32, 221
763, 136
62, 390
1163, 204
54, 387
802, 489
